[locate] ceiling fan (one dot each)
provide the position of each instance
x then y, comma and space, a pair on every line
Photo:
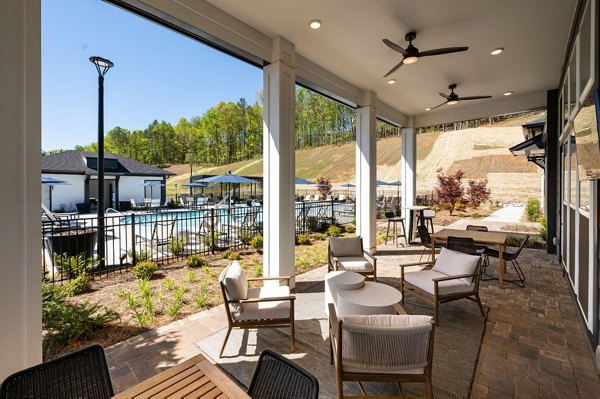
412, 54
453, 98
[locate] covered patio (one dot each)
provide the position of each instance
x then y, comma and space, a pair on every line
533, 346
537, 341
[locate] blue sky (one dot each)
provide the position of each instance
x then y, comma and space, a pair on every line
158, 74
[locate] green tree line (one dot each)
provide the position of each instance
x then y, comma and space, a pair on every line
231, 132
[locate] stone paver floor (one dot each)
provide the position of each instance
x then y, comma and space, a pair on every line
534, 345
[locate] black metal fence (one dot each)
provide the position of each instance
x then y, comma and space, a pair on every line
166, 235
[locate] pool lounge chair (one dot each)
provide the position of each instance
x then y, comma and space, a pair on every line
135, 206
56, 221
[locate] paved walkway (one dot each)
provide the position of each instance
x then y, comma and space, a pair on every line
534, 345
508, 214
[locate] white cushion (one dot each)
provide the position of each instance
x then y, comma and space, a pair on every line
350, 246
355, 264
270, 310
235, 281
424, 280
453, 263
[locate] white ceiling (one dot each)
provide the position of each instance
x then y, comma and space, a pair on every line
534, 34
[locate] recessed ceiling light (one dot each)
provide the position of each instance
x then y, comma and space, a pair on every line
497, 51
315, 24
391, 81
508, 93
428, 109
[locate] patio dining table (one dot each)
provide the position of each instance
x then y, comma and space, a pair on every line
195, 377
415, 218
479, 237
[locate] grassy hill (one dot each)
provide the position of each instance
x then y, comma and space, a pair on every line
480, 152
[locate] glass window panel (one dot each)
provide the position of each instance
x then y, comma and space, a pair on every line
565, 174
573, 170
585, 48
573, 95
565, 91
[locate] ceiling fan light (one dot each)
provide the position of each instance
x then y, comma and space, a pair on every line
428, 109
452, 102
411, 59
508, 93
497, 51
315, 24
391, 81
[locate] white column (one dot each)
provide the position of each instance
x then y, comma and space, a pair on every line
409, 167
20, 246
279, 161
366, 172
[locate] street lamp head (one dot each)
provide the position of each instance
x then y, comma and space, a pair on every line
102, 64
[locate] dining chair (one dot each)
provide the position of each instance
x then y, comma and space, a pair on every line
277, 377
79, 374
509, 257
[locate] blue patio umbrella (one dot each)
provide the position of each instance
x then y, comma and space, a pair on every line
396, 183
228, 178
51, 182
381, 183
193, 185
348, 185
152, 184
303, 181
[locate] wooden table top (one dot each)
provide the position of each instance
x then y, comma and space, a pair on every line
480, 237
417, 207
194, 378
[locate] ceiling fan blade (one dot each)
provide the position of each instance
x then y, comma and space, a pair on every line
447, 97
394, 69
395, 47
439, 51
444, 103
474, 98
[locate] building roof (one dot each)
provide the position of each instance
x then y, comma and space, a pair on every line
76, 162
536, 122
533, 148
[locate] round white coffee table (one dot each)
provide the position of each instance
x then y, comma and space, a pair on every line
338, 280
373, 298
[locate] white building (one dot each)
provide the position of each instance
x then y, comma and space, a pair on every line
124, 179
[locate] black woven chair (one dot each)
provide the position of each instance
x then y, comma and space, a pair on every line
80, 374
507, 256
426, 239
275, 377
462, 244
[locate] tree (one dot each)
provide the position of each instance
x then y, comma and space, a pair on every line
477, 192
449, 191
324, 186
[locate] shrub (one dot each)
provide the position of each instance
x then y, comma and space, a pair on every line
324, 186
449, 190
64, 321
303, 239
81, 284
319, 236
177, 244
533, 209
334, 231
257, 267
257, 242
144, 270
73, 266
350, 228
231, 255
196, 261
245, 236
477, 193
543, 231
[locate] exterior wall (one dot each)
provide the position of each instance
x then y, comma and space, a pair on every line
20, 113
133, 187
64, 197
578, 250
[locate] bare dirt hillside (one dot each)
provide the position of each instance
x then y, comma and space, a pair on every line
480, 152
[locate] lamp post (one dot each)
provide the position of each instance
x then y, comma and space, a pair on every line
102, 66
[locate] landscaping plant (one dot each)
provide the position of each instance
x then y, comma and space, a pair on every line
533, 209
449, 190
177, 244
257, 242
303, 239
334, 231
144, 270
477, 193
196, 261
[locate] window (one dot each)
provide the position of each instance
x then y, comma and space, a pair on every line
585, 50
573, 169
565, 170
573, 96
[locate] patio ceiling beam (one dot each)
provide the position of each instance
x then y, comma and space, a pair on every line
483, 109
